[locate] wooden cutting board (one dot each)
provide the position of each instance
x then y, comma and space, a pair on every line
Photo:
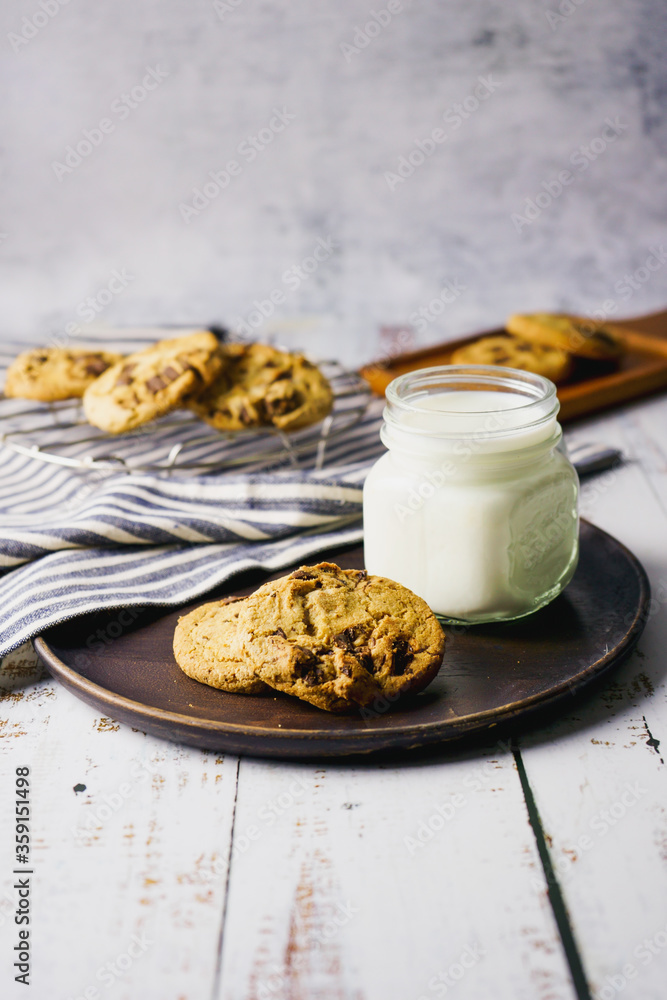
641, 371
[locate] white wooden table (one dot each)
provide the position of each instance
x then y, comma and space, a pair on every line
165, 873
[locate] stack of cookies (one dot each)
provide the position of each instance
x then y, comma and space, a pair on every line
557, 347
231, 386
338, 639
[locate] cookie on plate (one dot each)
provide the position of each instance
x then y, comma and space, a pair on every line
53, 373
152, 382
586, 338
205, 649
262, 386
335, 638
511, 352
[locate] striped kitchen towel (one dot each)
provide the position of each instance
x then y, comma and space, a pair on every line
74, 541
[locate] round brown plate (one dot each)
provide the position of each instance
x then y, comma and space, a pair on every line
122, 663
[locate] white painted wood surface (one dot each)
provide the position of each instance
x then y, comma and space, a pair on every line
600, 778
327, 895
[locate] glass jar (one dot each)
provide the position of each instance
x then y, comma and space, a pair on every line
474, 505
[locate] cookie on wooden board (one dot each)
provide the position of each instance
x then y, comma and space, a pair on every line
53, 373
152, 382
262, 386
332, 637
512, 352
586, 338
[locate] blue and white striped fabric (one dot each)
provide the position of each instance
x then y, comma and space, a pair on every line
73, 542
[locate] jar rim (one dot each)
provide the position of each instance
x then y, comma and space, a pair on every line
405, 391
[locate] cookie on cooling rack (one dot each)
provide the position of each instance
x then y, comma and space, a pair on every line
260, 386
335, 638
152, 382
53, 373
512, 352
586, 338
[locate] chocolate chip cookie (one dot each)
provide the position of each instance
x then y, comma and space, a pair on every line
152, 382
332, 637
205, 649
586, 338
261, 386
512, 352
53, 373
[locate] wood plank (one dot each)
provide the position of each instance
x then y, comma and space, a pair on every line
334, 895
654, 324
599, 777
644, 431
130, 870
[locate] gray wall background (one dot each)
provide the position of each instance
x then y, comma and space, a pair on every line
556, 79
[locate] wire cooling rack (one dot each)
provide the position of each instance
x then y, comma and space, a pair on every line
179, 442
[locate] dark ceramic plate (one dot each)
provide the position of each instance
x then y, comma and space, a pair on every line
493, 675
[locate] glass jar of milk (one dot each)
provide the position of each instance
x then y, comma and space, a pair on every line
474, 506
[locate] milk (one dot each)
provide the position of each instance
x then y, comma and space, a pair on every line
474, 506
